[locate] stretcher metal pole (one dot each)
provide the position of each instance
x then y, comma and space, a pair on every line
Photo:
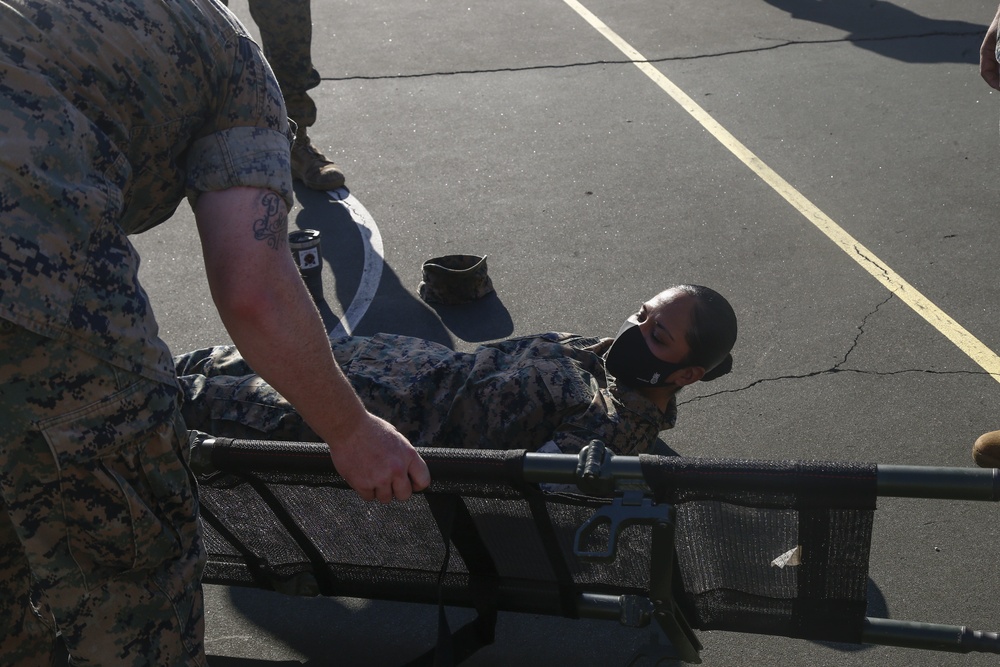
940, 483
892, 480
562, 468
929, 636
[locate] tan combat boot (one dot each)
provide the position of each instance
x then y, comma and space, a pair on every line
986, 451
312, 167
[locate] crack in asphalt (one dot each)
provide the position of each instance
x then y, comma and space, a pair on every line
627, 61
861, 252
837, 367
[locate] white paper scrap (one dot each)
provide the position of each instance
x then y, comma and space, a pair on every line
790, 558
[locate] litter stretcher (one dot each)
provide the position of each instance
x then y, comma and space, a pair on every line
774, 548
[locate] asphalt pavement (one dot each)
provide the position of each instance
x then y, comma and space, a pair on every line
827, 165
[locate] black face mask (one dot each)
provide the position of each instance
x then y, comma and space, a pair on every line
631, 362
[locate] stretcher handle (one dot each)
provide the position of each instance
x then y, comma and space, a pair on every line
939, 483
211, 455
929, 636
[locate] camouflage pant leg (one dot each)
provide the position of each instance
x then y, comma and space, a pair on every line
286, 32
225, 398
103, 507
19, 615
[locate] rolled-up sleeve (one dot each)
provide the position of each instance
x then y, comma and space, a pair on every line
248, 142
241, 157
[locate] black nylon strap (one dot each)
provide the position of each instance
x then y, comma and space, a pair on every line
256, 564
547, 533
814, 616
458, 528
324, 578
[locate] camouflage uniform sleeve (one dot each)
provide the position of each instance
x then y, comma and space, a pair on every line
248, 144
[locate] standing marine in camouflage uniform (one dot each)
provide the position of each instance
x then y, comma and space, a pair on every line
286, 35
551, 391
111, 112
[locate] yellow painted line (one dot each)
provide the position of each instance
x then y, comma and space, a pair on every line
952, 330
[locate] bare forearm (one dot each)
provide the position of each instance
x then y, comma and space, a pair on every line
286, 344
271, 318
268, 312
294, 356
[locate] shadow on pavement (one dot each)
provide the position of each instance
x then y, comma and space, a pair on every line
880, 27
394, 307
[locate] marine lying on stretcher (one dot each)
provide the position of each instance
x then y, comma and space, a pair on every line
550, 392
723, 544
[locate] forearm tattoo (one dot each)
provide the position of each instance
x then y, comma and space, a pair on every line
273, 225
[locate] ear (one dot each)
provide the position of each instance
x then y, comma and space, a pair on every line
687, 375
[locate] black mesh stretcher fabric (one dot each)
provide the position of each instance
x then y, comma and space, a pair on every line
309, 534
306, 533
735, 518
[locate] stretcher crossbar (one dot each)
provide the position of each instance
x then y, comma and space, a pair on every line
778, 548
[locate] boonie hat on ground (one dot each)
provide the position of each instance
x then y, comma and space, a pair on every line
455, 279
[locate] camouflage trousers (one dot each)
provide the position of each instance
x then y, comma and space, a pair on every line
286, 32
99, 535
